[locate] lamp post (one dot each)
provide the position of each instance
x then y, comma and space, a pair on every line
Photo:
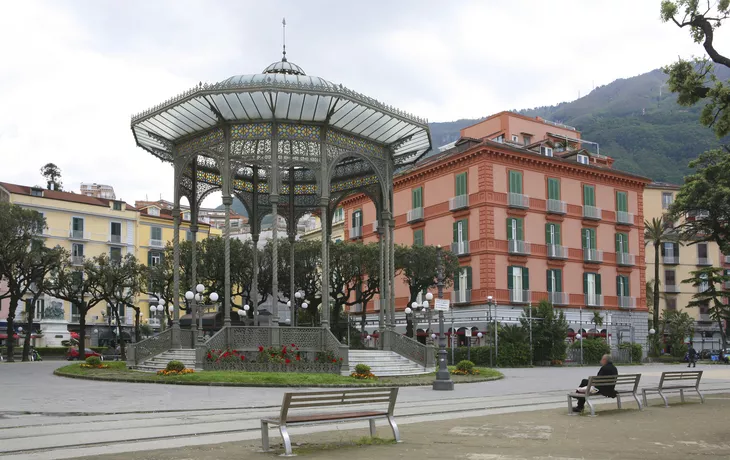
298, 302
443, 380
213, 298
241, 312
580, 338
493, 350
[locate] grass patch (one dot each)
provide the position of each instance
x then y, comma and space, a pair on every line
118, 371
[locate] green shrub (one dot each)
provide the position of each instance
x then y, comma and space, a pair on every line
362, 369
175, 365
637, 351
465, 366
593, 350
510, 355
513, 355
679, 350
93, 361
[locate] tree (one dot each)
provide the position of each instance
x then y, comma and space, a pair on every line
52, 173
549, 331
657, 232
19, 244
342, 271
695, 81
707, 280
676, 325
597, 319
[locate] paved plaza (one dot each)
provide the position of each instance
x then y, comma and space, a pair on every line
47, 417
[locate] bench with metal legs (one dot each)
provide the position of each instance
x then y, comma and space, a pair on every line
676, 381
626, 384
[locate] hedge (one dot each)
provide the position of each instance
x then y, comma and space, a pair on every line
593, 350
48, 351
637, 351
510, 355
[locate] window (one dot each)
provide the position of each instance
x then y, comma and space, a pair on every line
117, 205
36, 192
462, 282
589, 238
592, 287
515, 138
461, 231
704, 309
156, 233
39, 308
153, 258
667, 199
357, 219
547, 151
515, 182
418, 237
670, 252
116, 232
339, 215
186, 215
702, 253
77, 250
518, 282
583, 159
499, 139
555, 280
622, 286
115, 254
670, 278
527, 138
622, 202
74, 313
515, 228
417, 197
553, 188
552, 234
589, 195
461, 185
671, 303
153, 211
77, 227
622, 243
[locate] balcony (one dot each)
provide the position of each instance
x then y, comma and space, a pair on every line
625, 259
727, 259
460, 248
355, 233
704, 261
592, 212
518, 247
703, 287
115, 239
671, 288
623, 217
356, 308
518, 200
77, 260
520, 296
458, 202
557, 207
558, 298
156, 243
461, 296
670, 260
414, 215
592, 255
75, 318
594, 300
79, 235
626, 302
556, 251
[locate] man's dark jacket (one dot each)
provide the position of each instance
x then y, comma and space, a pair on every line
607, 390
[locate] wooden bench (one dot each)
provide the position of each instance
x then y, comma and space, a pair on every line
327, 399
673, 381
626, 384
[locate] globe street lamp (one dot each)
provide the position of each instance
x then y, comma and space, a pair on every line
299, 302
494, 350
443, 380
579, 338
242, 312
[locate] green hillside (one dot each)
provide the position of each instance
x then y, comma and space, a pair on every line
647, 133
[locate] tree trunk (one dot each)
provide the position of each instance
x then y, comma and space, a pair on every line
137, 333
11, 328
29, 313
120, 337
82, 331
656, 287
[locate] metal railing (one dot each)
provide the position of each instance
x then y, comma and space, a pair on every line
559, 298
704, 261
77, 260
375, 226
187, 337
415, 215
518, 247
670, 260
355, 233
460, 248
79, 235
556, 251
703, 287
594, 300
458, 202
156, 243
150, 347
592, 255
115, 238
625, 259
461, 296
626, 302
672, 288
411, 349
518, 200
623, 217
557, 206
520, 296
592, 212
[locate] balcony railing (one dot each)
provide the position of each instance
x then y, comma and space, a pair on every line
115, 238
671, 288
376, 305
518, 200
460, 248
703, 287
704, 261
592, 255
727, 259
79, 235
594, 300
670, 260
156, 243
592, 212
75, 318
414, 215
626, 302
558, 298
458, 202
518, 247
355, 233
625, 259
556, 251
557, 206
623, 217
77, 260
520, 296
461, 296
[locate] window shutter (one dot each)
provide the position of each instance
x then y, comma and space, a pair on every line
509, 228
627, 286
598, 283
559, 280
548, 280
592, 232
465, 229
520, 232
676, 250
456, 232
585, 283
558, 239
461, 184
618, 242
509, 278
149, 258
584, 237
456, 279
625, 245
662, 246
618, 286
548, 240
468, 278
525, 279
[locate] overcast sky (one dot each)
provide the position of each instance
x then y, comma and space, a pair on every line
73, 72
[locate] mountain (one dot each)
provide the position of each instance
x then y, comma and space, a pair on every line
634, 120
236, 207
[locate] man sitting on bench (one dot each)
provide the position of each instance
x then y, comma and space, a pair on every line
607, 368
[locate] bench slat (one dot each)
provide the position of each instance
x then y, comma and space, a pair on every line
341, 397
340, 403
339, 392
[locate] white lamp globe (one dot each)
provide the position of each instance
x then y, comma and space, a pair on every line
425, 304
408, 310
414, 305
369, 337
298, 295
214, 297
480, 335
241, 312
200, 288
161, 302
433, 336
20, 329
189, 295
305, 305
160, 308
429, 296
578, 336
652, 331
288, 304
96, 331
198, 297
489, 298
246, 307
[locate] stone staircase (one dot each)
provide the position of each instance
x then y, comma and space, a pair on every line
385, 363
159, 362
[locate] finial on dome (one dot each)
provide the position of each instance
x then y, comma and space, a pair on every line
283, 27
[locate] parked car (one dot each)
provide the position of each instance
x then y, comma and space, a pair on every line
73, 353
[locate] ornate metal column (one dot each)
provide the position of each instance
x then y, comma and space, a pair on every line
255, 279
227, 201
193, 198
324, 210
385, 268
178, 167
381, 313
292, 237
274, 198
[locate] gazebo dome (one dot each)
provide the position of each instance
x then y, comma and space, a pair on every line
284, 67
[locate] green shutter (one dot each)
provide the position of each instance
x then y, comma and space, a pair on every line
461, 184
525, 279
553, 188
598, 283
558, 238
622, 201
456, 232
618, 242
548, 279
618, 286
149, 258
509, 227
548, 239
468, 278
625, 245
509, 278
456, 279
515, 182
592, 232
520, 231
676, 251
585, 283
417, 196
589, 195
584, 237
465, 229
418, 237
559, 280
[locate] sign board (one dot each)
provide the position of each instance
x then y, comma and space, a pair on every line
441, 305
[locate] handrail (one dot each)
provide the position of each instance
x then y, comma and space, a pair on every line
411, 349
151, 346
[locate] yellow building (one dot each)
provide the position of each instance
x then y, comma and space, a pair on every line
313, 232
676, 263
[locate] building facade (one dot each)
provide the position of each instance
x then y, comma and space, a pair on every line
98, 191
530, 219
312, 230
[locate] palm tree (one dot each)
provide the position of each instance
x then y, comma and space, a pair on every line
656, 233
597, 320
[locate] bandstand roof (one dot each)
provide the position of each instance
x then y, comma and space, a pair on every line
282, 93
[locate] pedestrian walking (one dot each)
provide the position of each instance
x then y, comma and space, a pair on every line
692, 354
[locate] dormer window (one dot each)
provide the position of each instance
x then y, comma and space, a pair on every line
583, 159
117, 205
499, 139
153, 211
36, 192
515, 138
527, 138
186, 216
547, 151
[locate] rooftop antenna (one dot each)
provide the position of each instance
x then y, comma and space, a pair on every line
283, 28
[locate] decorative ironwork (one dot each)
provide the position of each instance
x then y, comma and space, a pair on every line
331, 343
250, 337
354, 183
306, 338
245, 366
152, 346
187, 338
199, 143
252, 131
299, 132
218, 340
409, 348
355, 144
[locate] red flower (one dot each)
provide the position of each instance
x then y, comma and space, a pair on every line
283, 350
243, 357
288, 361
209, 356
293, 345
298, 358
316, 359
334, 360
261, 348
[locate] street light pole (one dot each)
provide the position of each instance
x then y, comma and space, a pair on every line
443, 380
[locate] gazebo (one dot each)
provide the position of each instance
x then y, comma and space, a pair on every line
283, 143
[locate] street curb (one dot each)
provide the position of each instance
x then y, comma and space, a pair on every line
260, 385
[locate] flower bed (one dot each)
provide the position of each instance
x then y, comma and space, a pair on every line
288, 358
175, 372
